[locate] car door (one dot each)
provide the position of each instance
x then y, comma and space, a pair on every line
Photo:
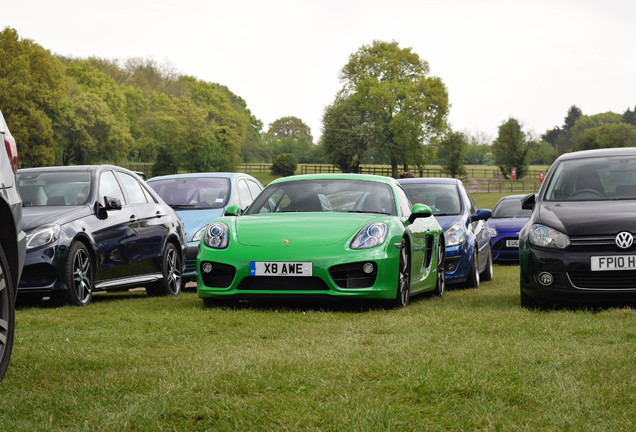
115, 240
153, 224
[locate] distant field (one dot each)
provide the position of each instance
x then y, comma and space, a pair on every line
473, 360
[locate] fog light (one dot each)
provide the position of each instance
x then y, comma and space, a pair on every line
450, 267
545, 278
206, 267
367, 268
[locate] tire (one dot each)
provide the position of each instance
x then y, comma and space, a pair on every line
7, 313
440, 284
403, 290
486, 275
473, 274
80, 276
171, 269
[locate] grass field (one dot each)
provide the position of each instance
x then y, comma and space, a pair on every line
472, 360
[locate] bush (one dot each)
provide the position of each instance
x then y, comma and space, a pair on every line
284, 164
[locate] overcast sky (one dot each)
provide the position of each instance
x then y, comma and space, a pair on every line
530, 60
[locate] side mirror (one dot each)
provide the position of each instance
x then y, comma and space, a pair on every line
112, 203
420, 211
233, 210
528, 201
481, 215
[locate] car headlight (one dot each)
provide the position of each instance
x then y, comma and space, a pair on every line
216, 236
370, 236
541, 235
492, 232
455, 235
42, 236
199, 234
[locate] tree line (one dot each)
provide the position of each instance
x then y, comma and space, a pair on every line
390, 110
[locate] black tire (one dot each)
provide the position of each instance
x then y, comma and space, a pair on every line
403, 290
7, 313
486, 275
440, 284
171, 269
473, 274
80, 276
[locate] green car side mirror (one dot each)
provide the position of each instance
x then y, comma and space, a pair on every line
233, 210
420, 211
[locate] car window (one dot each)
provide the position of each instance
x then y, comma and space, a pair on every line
325, 195
193, 192
254, 187
593, 179
54, 188
132, 187
471, 201
403, 202
244, 195
442, 198
510, 208
108, 186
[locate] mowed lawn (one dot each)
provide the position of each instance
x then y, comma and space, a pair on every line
473, 360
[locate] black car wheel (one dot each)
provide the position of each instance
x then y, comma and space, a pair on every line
171, 268
440, 285
79, 276
403, 294
7, 313
473, 274
486, 275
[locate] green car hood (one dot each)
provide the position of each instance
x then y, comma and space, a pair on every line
300, 229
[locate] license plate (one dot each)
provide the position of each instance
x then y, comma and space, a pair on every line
512, 243
617, 262
278, 268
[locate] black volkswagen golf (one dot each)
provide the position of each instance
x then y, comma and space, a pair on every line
578, 245
97, 227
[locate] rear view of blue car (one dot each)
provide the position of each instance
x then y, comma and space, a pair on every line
507, 220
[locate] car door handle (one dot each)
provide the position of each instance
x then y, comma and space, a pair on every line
158, 214
133, 218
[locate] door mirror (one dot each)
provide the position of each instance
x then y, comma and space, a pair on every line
528, 201
481, 215
420, 211
233, 210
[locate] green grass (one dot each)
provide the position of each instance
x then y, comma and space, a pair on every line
473, 360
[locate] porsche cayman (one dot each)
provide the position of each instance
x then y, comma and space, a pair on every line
325, 235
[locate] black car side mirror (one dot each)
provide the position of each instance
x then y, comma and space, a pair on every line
420, 211
528, 201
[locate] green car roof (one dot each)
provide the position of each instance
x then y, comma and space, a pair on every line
337, 176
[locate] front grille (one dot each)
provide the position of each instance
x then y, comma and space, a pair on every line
38, 275
609, 280
191, 266
605, 243
283, 283
352, 276
221, 275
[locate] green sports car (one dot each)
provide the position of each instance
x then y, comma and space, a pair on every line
330, 235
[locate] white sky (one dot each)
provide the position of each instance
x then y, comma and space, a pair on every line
531, 60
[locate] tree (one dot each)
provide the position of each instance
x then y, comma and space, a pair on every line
629, 116
605, 136
452, 150
561, 137
511, 148
289, 127
342, 139
400, 104
284, 164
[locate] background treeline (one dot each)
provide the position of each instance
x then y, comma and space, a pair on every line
390, 110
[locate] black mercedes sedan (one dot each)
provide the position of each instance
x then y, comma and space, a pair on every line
97, 227
578, 245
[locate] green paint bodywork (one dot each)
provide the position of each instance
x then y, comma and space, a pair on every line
324, 239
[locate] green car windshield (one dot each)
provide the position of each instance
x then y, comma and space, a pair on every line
333, 195
594, 179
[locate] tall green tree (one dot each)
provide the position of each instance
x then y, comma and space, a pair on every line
31, 90
561, 137
343, 141
403, 105
511, 148
289, 127
452, 150
629, 116
606, 136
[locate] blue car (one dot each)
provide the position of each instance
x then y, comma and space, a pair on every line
507, 220
199, 198
468, 254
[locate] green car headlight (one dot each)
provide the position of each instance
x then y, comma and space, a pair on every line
455, 235
42, 236
370, 236
216, 236
541, 235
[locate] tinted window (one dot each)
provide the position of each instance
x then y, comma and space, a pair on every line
193, 192
108, 186
59, 188
510, 208
133, 188
443, 199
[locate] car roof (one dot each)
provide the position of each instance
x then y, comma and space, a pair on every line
228, 175
337, 176
509, 197
430, 180
74, 168
618, 151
